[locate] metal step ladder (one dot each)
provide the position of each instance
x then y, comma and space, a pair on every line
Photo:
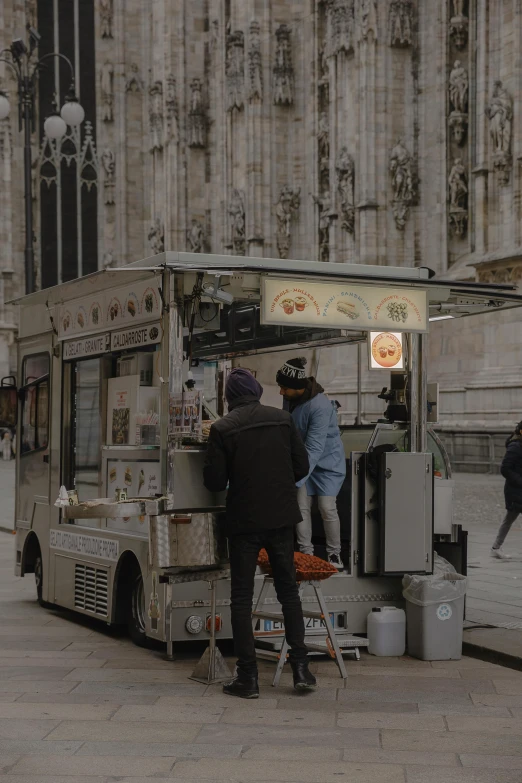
332, 645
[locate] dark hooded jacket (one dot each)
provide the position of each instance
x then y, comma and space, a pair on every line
257, 451
511, 469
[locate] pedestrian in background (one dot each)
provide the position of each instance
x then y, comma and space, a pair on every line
6, 445
511, 469
256, 450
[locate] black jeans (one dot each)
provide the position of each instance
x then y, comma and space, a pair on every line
244, 551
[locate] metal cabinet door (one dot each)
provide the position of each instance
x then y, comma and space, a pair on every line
368, 514
406, 513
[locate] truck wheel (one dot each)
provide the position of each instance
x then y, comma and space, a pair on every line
136, 611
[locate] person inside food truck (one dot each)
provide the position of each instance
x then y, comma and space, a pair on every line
257, 451
316, 420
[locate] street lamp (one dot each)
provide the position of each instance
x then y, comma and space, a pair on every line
19, 59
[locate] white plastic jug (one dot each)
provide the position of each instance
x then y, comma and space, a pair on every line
387, 631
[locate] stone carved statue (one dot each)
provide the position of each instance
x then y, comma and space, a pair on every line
31, 13
345, 169
458, 196
283, 72
323, 141
235, 70
458, 185
458, 87
108, 259
109, 166
195, 237
106, 17
459, 24
287, 209
236, 210
401, 170
340, 24
107, 91
500, 114
367, 19
134, 83
458, 7
156, 116
326, 215
171, 105
156, 236
255, 67
401, 23
197, 120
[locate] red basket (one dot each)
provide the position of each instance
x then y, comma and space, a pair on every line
308, 568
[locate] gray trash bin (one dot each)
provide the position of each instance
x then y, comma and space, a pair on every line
435, 614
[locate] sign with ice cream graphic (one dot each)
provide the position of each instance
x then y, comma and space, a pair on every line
343, 306
386, 350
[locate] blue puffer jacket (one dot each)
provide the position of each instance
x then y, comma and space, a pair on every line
316, 421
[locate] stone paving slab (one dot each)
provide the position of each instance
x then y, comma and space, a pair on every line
273, 718
138, 688
497, 699
122, 731
277, 735
145, 713
53, 779
452, 742
376, 720
504, 726
58, 711
169, 749
93, 765
423, 774
25, 729
39, 747
495, 762
35, 686
84, 698
289, 771
292, 753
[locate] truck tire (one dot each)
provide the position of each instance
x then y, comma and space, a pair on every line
136, 617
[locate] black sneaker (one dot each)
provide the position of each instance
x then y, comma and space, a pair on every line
303, 677
336, 561
243, 686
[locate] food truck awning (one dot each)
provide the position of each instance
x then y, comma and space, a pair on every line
447, 298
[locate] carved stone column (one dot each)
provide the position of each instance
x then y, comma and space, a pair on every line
367, 34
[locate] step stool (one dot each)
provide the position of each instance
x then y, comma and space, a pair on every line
332, 645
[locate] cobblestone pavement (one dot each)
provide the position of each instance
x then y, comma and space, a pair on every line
495, 586
81, 705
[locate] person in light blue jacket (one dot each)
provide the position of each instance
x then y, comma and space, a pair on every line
315, 417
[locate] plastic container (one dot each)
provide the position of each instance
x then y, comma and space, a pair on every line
387, 631
435, 615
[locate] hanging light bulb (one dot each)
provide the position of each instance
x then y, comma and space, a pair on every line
4, 105
54, 126
72, 111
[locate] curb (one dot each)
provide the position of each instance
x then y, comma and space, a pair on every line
492, 656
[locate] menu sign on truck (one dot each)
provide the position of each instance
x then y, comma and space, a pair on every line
343, 306
119, 308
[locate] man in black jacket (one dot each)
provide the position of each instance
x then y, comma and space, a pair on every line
257, 451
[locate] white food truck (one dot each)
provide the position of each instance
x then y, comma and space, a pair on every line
108, 409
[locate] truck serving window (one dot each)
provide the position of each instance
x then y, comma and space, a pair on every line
35, 403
